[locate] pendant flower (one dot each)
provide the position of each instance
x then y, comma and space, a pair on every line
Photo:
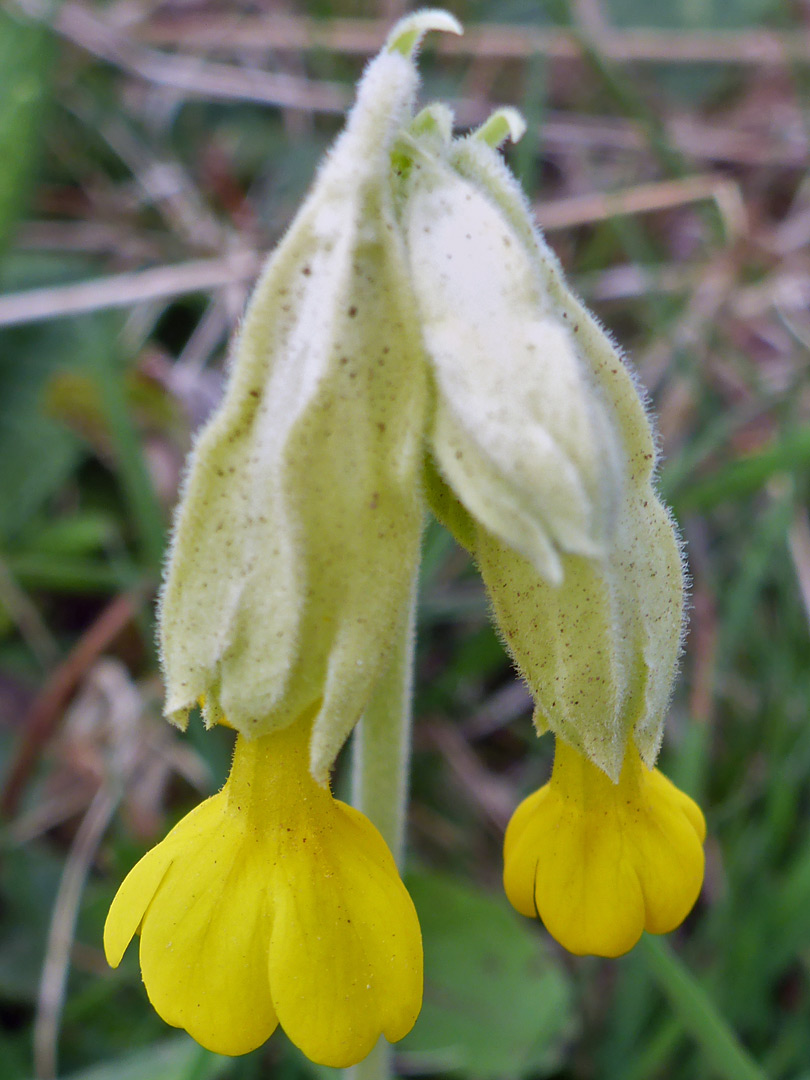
296, 541
274, 903
552, 490
600, 861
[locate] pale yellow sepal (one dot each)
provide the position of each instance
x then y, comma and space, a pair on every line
599, 651
599, 862
569, 645
590, 602
297, 536
518, 432
273, 902
478, 163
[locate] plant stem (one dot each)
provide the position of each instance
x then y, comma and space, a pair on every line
698, 1013
377, 1066
382, 743
380, 767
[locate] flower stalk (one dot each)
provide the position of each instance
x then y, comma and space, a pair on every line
381, 755
377, 1066
382, 743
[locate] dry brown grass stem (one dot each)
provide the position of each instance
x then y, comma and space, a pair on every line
192, 76
87, 237
46, 710
123, 290
693, 137
25, 615
710, 291
62, 930
500, 708
490, 796
628, 280
285, 33
646, 198
166, 185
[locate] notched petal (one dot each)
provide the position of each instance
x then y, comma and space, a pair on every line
600, 862
346, 951
205, 935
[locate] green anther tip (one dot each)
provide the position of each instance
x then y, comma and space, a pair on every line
408, 32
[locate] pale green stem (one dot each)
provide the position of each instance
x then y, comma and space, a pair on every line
382, 743
380, 766
377, 1066
698, 1013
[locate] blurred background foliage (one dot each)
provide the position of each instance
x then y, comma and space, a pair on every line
150, 153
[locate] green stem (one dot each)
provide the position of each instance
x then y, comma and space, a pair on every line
377, 1066
380, 765
698, 1013
382, 743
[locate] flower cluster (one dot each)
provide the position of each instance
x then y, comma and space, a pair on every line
411, 343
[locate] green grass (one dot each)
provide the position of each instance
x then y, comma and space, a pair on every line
97, 413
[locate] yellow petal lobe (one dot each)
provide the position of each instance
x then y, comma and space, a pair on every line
273, 901
204, 938
599, 862
346, 953
142, 882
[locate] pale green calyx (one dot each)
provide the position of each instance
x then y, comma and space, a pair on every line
413, 335
297, 536
517, 431
596, 633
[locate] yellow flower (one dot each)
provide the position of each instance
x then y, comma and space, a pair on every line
274, 903
600, 861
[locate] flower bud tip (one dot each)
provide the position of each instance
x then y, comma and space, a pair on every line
434, 119
407, 35
506, 123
